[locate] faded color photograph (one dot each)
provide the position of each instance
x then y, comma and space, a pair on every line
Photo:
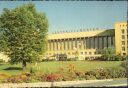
63, 44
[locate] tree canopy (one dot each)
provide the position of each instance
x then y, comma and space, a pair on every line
108, 53
23, 33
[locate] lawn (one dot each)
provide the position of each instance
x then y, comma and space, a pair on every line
54, 66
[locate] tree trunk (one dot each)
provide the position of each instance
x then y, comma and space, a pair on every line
24, 64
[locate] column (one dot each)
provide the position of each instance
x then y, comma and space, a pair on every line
82, 43
66, 44
72, 44
62, 44
87, 43
55, 45
49, 45
102, 42
98, 42
112, 41
52, 45
91, 39
75, 42
107, 41
94, 43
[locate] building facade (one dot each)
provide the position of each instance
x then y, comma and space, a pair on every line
121, 38
80, 44
88, 43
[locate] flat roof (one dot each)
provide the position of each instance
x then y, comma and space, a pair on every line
108, 32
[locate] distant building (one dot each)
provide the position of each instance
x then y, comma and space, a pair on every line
85, 44
88, 43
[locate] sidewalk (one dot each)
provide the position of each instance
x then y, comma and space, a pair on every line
48, 84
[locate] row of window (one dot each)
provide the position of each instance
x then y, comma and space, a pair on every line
123, 40
123, 45
124, 25
81, 53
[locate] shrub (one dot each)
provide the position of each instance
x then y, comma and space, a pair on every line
45, 60
3, 76
105, 73
33, 70
112, 73
18, 78
62, 57
51, 77
90, 77
2, 61
124, 64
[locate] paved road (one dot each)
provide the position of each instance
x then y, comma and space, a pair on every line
113, 83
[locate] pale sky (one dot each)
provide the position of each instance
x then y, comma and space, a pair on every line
76, 15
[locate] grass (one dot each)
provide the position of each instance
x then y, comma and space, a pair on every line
53, 66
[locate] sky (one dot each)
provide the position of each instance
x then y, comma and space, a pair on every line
76, 15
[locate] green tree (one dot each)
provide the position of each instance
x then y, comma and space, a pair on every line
108, 53
23, 34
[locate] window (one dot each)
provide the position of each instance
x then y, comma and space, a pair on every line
123, 48
85, 53
60, 45
124, 53
122, 31
123, 36
56, 45
68, 44
90, 53
123, 42
81, 52
75, 43
50, 45
64, 45
53, 45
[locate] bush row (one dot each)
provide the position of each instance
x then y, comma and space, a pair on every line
69, 74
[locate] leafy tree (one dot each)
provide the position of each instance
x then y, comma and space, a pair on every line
108, 53
23, 34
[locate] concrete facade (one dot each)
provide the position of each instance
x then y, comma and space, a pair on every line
121, 38
80, 44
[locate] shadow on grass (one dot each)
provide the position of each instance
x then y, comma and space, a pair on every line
13, 68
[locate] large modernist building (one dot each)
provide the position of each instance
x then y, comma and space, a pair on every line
86, 44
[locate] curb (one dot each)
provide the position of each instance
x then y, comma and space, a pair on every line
49, 84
